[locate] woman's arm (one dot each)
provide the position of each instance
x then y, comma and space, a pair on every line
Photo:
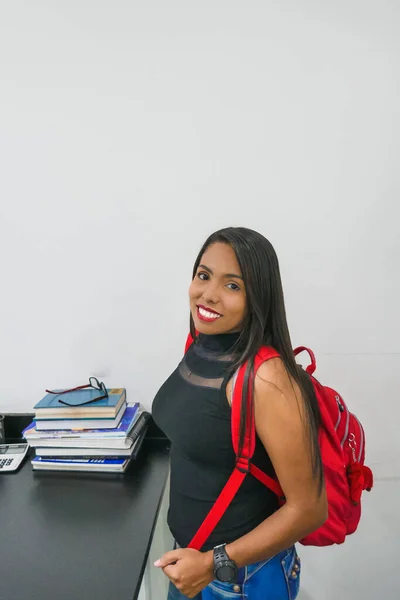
281, 425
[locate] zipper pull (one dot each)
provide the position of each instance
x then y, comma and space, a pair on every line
340, 405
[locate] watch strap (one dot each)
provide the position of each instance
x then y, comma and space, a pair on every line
220, 553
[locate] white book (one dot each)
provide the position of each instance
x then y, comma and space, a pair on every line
103, 443
103, 465
44, 452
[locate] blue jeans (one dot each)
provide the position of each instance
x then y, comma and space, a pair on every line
275, 579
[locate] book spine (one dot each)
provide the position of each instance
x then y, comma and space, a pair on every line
138, 445
138, 427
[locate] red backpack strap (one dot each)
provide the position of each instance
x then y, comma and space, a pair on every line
265, 353
234, 482
189, 342
243, 462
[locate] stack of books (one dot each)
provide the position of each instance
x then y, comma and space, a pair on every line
75, 432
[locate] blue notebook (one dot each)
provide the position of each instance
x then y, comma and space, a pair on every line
79, 398
100, 464
101, 460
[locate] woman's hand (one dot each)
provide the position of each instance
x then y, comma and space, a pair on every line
189, 570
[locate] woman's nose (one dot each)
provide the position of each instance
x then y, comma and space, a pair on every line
211, 295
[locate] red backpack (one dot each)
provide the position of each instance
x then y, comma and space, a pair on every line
342, 445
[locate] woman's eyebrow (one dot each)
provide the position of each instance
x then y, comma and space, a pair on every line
227, 275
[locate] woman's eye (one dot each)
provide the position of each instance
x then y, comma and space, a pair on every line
202, 276
234, 287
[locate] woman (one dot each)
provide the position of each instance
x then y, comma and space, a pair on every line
237, 306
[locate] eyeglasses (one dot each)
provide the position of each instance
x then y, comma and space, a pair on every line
94, 383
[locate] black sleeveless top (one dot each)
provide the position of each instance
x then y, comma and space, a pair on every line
193, 411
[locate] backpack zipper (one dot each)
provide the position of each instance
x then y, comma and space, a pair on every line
346, 433
362, 438
340, 410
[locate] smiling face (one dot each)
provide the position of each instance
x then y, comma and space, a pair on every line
217, 294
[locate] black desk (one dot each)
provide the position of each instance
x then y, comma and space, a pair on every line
66, 536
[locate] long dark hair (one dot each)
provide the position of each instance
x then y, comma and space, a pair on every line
265, 325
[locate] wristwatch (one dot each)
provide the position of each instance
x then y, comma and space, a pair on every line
225, 569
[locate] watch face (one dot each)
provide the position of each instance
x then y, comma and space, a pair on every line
226, 573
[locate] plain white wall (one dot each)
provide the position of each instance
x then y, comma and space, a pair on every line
129, 131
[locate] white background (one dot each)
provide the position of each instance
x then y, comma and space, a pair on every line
129, 131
